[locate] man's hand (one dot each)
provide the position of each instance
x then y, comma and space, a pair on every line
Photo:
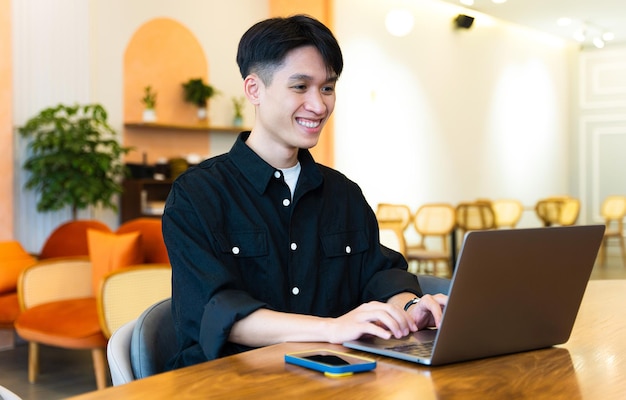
374, 318
428, 311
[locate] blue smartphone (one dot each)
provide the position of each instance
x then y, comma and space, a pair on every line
331, 363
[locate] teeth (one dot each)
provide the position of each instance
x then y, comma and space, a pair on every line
309, 124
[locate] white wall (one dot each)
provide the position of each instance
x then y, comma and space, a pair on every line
438, 115
450, 115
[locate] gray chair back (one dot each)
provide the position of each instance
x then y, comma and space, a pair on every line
431, 284
153, 341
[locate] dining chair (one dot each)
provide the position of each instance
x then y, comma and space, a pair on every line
143, 346
613, 211
558, 210
391, 235
393, 219
399, 214
432, 221
475, 215
507, 212
153, 342
118, 354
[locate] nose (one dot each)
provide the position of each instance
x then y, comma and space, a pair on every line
315, 102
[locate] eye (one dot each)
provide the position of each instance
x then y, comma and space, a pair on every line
300, 87
329, 89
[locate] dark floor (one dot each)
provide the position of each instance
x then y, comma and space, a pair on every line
65, 373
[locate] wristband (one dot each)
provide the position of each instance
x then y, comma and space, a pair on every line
411, 302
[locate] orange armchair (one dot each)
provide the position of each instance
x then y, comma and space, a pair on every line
59, 297
13, 260
70, 239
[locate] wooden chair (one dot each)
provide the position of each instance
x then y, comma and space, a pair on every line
432, 221
613, 210
393, 219
474, 216
392, 236
507, 212
558, 210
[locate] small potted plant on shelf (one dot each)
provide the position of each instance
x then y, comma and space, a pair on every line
238, 103
149, 102
199, 93
74, 158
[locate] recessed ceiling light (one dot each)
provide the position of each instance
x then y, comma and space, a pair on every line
580, 35
598, 42
399, 22
467, 2
608, 36
564, 21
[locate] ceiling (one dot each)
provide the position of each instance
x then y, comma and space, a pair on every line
597, 15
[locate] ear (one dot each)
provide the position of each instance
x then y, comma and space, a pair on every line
252, 88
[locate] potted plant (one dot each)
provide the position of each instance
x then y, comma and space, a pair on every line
75, 159
199, 93
238, 103
149, 102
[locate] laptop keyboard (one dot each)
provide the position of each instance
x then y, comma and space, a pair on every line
423, 349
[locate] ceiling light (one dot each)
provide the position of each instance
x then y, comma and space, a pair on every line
467, 2
608, 36
399, 22
564, 21
598, 42
580, 35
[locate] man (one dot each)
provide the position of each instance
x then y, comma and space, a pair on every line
266, 245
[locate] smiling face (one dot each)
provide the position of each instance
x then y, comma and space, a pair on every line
292, 108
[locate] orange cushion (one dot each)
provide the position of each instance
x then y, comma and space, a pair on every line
109, 252
67, 323
9, 309
13, 259
151, 238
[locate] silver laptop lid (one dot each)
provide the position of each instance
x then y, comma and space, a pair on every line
522, 286
512, 290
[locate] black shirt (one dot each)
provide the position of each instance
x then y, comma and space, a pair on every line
237, 242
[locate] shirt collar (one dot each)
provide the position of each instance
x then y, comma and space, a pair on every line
259, 173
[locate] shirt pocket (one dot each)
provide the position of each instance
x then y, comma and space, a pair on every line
341, 244
243, 243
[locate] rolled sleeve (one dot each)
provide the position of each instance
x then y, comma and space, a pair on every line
220, 314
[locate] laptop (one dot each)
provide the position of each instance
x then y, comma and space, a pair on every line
512, 290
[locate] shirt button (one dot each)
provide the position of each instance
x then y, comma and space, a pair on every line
295, 290
348, 249
276, 174
294, 246
286, 202
235, 250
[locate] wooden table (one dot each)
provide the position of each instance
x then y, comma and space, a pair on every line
591, 365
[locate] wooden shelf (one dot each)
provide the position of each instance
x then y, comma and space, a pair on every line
191, 128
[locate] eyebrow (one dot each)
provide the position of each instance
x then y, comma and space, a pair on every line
305, 77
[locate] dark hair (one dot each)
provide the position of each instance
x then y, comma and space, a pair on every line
264, 46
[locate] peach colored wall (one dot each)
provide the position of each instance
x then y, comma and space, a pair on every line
322, 10
6, 124
164, 54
